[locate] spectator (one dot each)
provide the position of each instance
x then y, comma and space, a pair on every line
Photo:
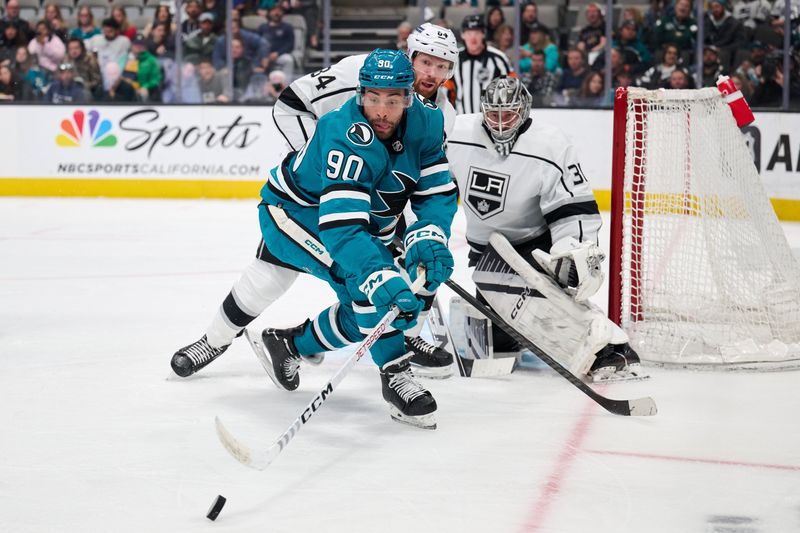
65, 90
242, 68
26, 67
212, 86
742, 83
143, 72
592, 37
255, 47
750, 14
161, 42
216, 8
540, 82
115, 88
52, 14
528, 17
722, 31
679, 28
125, 27
200, 44
635, 53
592, 92
404, 29
503, 39
712, 68
11, 17
573, 75
280, 36
162, 16
769, 92
86, 28
680, 79
110, 46
539, 40
191, 22
10, 40
266, 90
659, 75
494, 19
87, 72
47, 47
13, 88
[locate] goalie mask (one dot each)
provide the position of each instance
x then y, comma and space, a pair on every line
506, 105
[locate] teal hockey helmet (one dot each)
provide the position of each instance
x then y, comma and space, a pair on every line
386, 69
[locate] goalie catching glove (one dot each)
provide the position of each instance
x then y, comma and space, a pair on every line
426, 244
575, 266
385, 288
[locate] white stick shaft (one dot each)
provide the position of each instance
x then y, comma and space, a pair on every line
261, 459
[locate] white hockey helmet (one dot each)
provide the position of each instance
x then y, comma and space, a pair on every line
436, 41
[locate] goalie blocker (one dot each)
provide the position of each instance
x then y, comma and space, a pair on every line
575, 333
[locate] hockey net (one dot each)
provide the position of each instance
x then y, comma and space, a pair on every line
701, 272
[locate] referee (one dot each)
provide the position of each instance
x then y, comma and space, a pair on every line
478, 64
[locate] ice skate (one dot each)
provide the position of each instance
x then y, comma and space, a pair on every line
195, 356
409, 402
283, 356
617, 362
429, 361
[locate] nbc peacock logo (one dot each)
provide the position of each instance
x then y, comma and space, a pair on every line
97, 130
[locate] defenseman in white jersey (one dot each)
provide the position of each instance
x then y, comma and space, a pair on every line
521, 178
434, 52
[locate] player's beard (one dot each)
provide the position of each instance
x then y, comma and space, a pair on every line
379, 123
427, 86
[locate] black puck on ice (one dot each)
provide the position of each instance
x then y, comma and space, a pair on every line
216, 507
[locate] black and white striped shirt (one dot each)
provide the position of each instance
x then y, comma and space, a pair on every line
474, 74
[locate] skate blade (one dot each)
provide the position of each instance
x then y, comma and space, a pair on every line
422, 421
263, 357
629, 374
430, 372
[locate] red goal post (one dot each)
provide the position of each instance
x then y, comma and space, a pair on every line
701, 273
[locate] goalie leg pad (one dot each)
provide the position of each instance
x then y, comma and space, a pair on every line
571, 332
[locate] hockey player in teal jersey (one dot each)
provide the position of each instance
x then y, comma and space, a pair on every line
331, 210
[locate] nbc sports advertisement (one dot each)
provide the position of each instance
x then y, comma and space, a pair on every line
138, 151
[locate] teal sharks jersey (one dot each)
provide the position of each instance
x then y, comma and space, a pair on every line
361, 184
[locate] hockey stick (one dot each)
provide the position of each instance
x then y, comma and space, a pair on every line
261, 458
637, 407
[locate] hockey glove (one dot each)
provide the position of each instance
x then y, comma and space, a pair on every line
386, 288
575, 266
426, 244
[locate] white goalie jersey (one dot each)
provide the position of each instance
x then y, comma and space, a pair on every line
535, 196
308, 98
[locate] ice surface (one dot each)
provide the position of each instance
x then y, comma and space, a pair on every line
96, 295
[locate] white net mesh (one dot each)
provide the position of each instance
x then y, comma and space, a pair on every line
708, 277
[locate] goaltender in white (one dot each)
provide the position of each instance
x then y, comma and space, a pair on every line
532, 229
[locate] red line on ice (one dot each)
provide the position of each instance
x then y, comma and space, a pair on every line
552, 487
696, 460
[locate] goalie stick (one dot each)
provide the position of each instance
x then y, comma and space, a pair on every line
637, 407
260, 458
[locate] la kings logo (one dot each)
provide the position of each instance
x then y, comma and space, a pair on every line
486, 192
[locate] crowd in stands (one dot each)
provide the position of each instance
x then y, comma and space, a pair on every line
53, 58
76, 59
653, 48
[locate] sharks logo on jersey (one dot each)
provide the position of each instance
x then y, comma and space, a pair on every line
394, 201
486, 192
360, 134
